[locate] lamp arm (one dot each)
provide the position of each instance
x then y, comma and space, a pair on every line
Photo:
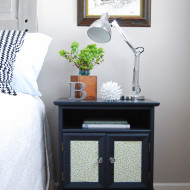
135, 84
116, 25
137, 52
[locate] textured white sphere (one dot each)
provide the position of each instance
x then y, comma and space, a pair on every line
110, 91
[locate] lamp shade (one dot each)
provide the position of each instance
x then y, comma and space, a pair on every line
100, 30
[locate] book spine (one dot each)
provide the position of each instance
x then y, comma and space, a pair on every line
105, 122
102, 126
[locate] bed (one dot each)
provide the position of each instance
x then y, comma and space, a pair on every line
23, 148
25, 152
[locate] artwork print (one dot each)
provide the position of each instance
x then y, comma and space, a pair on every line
131, 13
115, 7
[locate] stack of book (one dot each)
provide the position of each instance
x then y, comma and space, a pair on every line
108, 124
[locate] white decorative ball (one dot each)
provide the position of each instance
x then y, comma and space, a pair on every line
110, 91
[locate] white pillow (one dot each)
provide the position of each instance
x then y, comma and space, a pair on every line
29, 62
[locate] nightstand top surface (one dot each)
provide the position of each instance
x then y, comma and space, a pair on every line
100, 102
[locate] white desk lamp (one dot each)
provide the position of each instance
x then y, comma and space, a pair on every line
100, 31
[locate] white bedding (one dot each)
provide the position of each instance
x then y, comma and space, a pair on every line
24, 161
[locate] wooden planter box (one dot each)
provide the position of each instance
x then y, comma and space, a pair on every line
91, 86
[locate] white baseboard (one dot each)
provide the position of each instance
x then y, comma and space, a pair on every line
163, 186
171, 186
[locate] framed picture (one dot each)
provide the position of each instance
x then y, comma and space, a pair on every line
131, 13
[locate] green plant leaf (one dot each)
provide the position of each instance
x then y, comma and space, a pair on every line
87, 57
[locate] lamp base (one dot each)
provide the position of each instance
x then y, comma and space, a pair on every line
132, 97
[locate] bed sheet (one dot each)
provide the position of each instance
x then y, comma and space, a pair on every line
24, 151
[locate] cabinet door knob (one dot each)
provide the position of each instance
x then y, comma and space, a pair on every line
112, 160
100, 160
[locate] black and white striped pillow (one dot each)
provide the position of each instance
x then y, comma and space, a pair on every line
10, 43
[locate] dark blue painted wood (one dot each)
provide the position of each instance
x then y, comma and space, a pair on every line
100, 102
140, 115
145, 160
68, 137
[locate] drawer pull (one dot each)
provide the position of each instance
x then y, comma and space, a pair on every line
100, 160
112, 160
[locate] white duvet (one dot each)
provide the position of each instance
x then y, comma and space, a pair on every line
23, 153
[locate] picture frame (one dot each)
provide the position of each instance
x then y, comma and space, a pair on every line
138, 12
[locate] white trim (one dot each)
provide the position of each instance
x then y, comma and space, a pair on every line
23, 15
171, 186
162, 186
8, 24
27, 15
5, 6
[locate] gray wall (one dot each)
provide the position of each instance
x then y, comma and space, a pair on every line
164, 74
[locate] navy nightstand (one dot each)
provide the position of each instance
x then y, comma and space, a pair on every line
106, 158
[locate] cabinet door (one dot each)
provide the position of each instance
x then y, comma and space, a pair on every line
84, 160
128, 156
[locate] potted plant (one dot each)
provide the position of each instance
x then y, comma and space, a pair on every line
84, 60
